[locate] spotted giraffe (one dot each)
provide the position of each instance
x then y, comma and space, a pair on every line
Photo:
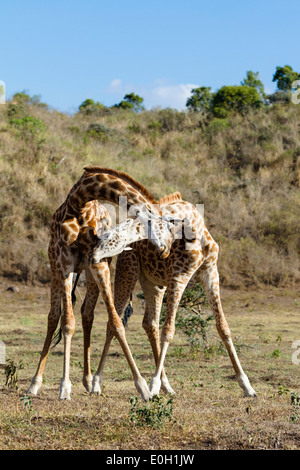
193, 256
75, 230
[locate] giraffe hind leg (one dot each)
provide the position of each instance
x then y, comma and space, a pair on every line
210, 281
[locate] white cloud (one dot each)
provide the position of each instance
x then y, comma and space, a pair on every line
156, 94
115, 85
173, 96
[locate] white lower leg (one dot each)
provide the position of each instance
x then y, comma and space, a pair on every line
142, 388
242, 378
65, 389
166, 386
156, 379
96, 387
65, 384
35, 385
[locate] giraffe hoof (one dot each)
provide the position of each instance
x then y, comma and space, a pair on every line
168, 390
244, 383
142, 388
88, 383
34, 387
96, 387
155, 386
250, 393
65, 391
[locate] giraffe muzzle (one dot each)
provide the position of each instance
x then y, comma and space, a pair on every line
164, 252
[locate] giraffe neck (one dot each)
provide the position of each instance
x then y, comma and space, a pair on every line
108, 185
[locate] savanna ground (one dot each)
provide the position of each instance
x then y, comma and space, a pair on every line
209, 410
245, 169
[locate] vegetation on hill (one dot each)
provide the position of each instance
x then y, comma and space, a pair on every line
237, 151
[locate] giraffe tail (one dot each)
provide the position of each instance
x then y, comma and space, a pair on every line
128, 312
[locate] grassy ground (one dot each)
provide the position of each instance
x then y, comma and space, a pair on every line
244, 169
209, 411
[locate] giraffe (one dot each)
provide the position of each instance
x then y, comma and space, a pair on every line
193, 257
76, 227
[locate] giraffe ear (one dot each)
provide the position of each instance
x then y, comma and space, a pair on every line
70, 230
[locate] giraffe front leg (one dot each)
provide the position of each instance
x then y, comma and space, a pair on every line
53, 319
87, 315
102, 277
68, 327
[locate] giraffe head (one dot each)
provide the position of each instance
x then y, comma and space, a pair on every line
112, 242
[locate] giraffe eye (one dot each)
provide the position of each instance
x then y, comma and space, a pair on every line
106, 236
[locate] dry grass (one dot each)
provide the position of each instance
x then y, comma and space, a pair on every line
246, 171
209, 411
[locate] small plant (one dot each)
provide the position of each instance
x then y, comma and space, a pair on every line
191, 319
11, 373
27, 402
276, 353
295, 401
282, 390
152, 414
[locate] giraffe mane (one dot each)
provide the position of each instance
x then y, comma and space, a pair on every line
124, 176
170, 198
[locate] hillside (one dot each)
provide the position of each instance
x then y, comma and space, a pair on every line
244, 169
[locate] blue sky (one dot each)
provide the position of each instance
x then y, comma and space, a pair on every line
67, 51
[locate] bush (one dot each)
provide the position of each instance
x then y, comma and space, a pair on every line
170, 120
99, 131
200, 100
131, 101
235, 99
153, 414
89, 106
29, 128
285, 76
190, 318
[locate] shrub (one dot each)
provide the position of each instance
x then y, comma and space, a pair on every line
99, 131
252, 80
29, 128
200, 100
190, 318
131, 101
89, 106
170, 120
235, 99
22, 98
285, 76
152, 414
11, 373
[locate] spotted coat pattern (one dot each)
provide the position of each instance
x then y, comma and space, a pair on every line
75, 228
193, 257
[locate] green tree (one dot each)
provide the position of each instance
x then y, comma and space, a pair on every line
285, 76
200, 100
131, 101
252, 80
89, 106
235, 98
